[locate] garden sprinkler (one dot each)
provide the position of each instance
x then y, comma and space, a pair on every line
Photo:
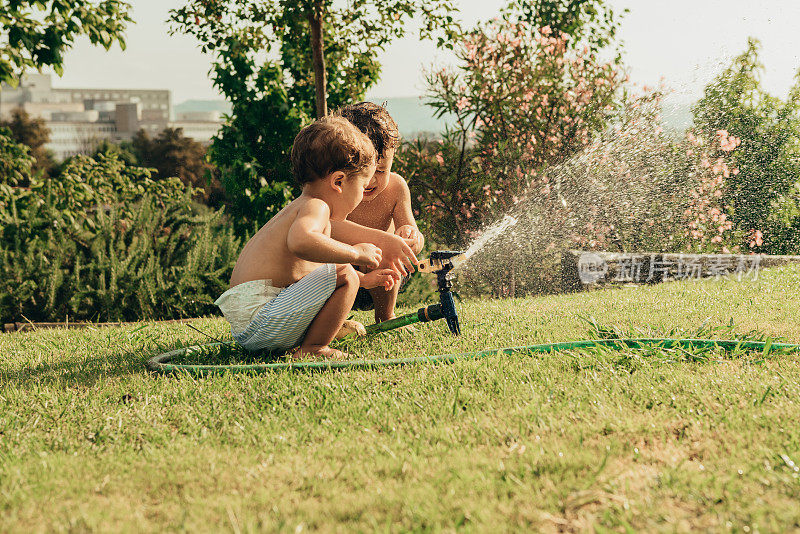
440, 262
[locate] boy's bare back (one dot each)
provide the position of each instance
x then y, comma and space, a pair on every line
267, 255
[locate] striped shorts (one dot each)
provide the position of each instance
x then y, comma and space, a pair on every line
282, 322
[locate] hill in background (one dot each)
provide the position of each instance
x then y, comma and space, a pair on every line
414, 117
223, 106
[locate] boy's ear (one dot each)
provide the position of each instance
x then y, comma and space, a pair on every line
336, 180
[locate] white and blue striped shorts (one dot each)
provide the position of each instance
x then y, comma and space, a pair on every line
283, 321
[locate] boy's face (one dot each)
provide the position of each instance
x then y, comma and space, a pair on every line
353, 188
381, 178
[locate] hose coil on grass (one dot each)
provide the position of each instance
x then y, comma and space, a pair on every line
164, 363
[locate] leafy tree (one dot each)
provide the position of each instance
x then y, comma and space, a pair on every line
123, 151
173, 154
39, 32
86, 183
348, 38
31, 132
264, 64
592, 22
766, 166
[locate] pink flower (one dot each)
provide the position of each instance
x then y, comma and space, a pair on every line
440, 159
756, 238
462, 103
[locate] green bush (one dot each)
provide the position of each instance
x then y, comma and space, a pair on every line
104, 242
762, 192
105, 181
16, 164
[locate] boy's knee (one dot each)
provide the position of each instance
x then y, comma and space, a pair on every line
346, 275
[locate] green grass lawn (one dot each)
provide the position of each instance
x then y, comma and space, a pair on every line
642, 440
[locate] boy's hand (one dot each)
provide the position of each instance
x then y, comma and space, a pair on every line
412, 236
397, 254
385, 278
368, 255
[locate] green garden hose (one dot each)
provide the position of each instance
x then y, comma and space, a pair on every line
163, 362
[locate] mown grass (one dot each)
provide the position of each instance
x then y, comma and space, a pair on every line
591, 440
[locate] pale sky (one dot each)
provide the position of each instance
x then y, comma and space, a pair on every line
686, 41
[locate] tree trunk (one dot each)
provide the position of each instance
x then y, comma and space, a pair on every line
320, 80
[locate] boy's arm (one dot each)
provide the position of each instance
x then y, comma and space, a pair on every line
403, 216
306, 238
396, 252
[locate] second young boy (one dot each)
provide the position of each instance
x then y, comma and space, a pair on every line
386, 204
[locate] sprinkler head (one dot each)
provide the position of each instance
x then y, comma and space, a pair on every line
441, 262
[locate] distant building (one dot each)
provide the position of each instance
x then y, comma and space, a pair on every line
199, 125
79, 119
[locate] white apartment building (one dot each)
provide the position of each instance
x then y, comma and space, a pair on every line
79, 119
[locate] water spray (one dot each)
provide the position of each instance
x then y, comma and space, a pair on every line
441, 263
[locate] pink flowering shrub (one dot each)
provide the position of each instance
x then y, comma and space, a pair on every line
709, 225
633, 187
523, 98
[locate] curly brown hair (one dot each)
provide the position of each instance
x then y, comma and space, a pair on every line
375, 122
328, 145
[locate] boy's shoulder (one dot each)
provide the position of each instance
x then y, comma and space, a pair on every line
312, 206
397, 182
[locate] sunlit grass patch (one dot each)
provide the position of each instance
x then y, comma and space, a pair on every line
653, 438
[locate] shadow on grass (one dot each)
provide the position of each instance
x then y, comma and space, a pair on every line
81, 371
227, 354
88, 371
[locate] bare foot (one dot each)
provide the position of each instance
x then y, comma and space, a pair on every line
319, 353
353, 328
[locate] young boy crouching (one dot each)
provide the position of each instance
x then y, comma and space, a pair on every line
293, 284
